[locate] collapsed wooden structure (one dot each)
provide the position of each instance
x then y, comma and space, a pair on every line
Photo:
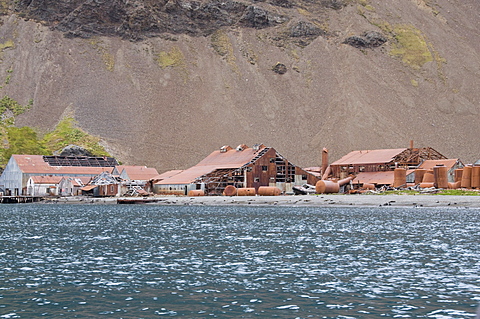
241, 167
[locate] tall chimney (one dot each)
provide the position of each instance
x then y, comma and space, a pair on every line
324, 160
411, 144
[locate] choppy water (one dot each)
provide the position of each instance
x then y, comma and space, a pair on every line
230, 262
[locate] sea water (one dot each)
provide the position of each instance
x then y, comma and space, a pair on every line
150, 261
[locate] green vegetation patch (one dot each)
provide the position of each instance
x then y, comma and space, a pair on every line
107, 58
7, 44
172, 58
458, 192
9, 104
66, 133
410, 46
22, 140
25, 140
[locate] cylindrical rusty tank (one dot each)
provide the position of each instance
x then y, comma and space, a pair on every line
367, 186
440, 173
246, 192
269, 191
419, 173
458, 175
399, 177
196, 192
428, 177
426, 185
475, 176
326, 187
454, 185
467, 177
230, 190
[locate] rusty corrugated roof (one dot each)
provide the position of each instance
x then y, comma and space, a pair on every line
229, 159
88, 187
430, 164
369, 157
46, 179
137, 173
34, 164
378, 178
167, 174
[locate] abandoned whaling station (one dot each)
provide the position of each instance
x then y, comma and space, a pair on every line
240, 171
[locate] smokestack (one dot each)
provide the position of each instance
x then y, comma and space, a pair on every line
324, 160
411, 144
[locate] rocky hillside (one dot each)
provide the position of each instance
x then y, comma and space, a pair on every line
164, 82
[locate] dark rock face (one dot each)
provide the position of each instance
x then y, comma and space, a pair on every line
74, 150
305, 29
279, 68
334, 4
369, 39
138, 19
256, 17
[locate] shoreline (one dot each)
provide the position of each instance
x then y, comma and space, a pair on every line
332, 200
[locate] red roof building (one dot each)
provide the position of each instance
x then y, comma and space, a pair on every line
242, 167
381, 160
20, 168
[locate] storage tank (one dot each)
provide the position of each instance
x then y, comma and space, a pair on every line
428, 177
419, 173
476, 176
458, 175
426, 185
454, 185
440, 173
399, 177
368, 186
196, 192
269, 191
230, 190
326, 187
246, 191
467, 177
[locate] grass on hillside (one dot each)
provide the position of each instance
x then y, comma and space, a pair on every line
411, 46
66, 133
24, 140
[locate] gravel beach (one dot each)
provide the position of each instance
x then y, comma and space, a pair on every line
303, 200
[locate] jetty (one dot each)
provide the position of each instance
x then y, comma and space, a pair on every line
20, 199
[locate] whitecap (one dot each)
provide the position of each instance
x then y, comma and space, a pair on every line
291, 307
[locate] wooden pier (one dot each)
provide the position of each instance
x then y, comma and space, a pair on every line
20, 199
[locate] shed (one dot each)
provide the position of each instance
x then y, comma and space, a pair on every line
43, 185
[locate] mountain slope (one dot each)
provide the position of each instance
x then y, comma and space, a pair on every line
163, 84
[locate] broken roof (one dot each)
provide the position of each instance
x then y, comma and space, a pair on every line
430, 164
225, 158
369, 157
35, 164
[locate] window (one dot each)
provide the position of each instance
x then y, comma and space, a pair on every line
304, 177
256, 179
264, 168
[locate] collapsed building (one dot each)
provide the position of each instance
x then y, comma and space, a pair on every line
242, 167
